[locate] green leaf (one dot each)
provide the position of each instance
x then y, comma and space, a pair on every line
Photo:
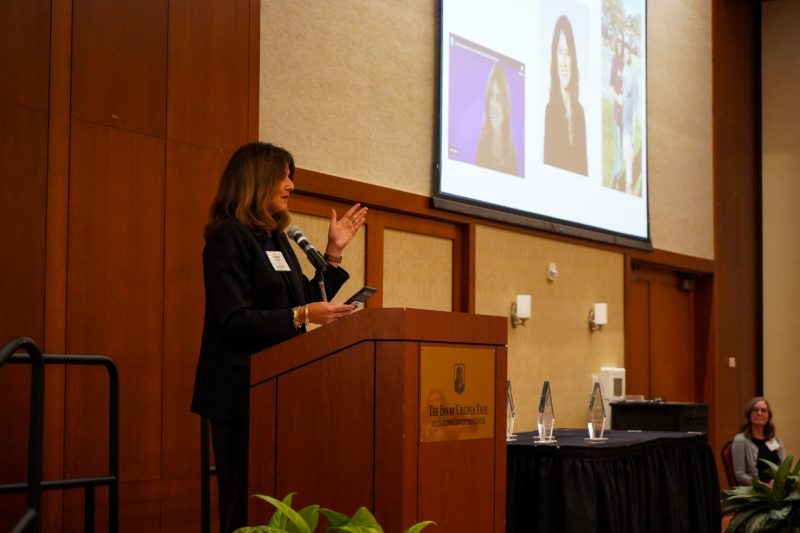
756, 523
741, 507
780, 477
745, 496
363, 515
289, 514
278, 519
765, 493
793, 496
310, 515
779, 515
416, 528
796, 470
739, 519
362, 521
334, 517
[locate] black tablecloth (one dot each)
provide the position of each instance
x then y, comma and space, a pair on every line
635, 482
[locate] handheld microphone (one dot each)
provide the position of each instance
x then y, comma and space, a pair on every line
313, 255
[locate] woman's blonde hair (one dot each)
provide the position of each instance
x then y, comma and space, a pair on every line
249, 181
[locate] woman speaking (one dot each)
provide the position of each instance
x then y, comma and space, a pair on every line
256, 296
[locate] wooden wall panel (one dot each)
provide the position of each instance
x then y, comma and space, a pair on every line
115, 270
104, 225
23, 152
209, 72
662, 354
737, 205
119, 63
179, 515
334, 474
637, 336
261, 464
396, 376
23, 171
192, 176
58, 184
672, 343
442, 465
25, 52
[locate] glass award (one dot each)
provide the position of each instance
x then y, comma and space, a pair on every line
545, 418
510, 414
596, 418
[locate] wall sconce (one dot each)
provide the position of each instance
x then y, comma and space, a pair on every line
598, 317
552, 271
520, 310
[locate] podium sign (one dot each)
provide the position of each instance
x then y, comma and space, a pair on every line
457, 393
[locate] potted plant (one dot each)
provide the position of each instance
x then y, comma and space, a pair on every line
287, 520
766, 506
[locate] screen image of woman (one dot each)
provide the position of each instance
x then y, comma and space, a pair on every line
495, 145
565, 123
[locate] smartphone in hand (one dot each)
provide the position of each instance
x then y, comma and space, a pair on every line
361, 296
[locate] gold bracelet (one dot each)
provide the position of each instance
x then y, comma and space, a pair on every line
306, 319
296, 317
332, 258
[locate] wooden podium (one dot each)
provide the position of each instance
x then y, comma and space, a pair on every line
341, 417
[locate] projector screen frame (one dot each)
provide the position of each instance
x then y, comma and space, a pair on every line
448, 201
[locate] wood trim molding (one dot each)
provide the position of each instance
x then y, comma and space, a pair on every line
313, 184
319, 185
656, 258
253, 88
58, 178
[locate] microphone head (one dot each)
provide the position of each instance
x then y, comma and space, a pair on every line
294, 232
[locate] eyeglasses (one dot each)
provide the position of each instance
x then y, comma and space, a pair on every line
759, 410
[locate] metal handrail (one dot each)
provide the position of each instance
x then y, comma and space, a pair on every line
88, 483
30, 520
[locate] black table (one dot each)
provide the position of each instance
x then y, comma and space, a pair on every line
660, 416
633, 482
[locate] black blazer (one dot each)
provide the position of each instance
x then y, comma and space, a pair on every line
248, 307
557, 150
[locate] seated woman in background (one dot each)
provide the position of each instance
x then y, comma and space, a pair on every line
756, 441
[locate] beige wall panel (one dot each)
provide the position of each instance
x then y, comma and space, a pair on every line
781, 219
354, 256
555, 344
358, 101
679, 129
349, 86
417, 271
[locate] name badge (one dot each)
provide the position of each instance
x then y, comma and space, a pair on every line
773, 445
278, 262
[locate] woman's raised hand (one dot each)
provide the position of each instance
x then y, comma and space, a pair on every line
342, 230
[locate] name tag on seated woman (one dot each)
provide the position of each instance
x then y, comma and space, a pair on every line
772, 445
